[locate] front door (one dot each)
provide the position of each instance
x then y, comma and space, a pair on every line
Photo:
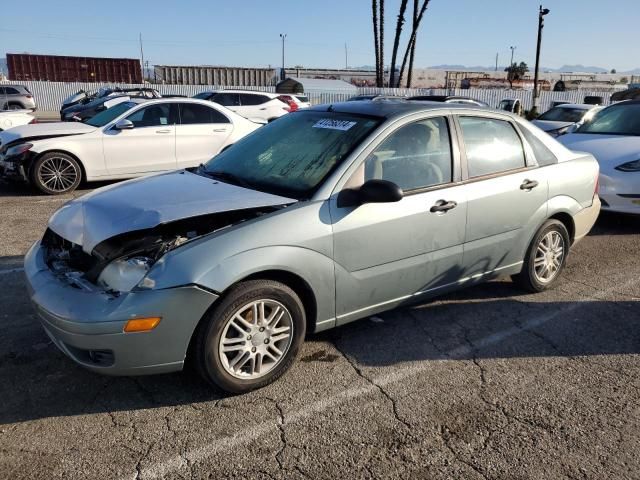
389, 253
505, 195
148, 147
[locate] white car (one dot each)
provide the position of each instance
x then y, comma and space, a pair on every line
563, 118
613, 137
127, 140
15, 118
256, 106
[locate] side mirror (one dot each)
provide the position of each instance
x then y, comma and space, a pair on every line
372, 191
123, 124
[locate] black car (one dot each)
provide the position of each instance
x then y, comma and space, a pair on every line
78, 108
449, 99
375, 96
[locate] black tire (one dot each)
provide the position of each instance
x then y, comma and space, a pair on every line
529, 279
209, 334
41, 176
16, 106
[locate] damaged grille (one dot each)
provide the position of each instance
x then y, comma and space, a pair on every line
68, 261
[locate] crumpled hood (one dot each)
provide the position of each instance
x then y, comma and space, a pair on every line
609, 150
44, 130
548, 125
147, 202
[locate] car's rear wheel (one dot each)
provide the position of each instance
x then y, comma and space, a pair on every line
55, 173
252, 337
545, 258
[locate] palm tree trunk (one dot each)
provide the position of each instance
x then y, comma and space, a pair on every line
381, 43
376, 40
414, 33
396, 43
413, 45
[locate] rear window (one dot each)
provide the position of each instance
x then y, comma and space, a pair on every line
562, 114
302, 98
248, 99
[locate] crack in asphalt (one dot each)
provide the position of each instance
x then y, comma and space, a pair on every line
358, 370
283, 438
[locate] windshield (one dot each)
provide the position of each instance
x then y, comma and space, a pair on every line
618, 119
293, 155
104, 117
563, 114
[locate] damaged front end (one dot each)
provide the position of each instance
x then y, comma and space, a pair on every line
121, 263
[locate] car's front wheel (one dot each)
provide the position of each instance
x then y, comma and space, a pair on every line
252, 337
545, 258
55, 173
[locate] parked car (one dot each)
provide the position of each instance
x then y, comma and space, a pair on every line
330, 214
450, 99
16, 97
81, 112
563, 118
127, 140
15, 118
85, 97
294, 101
513, 105
261, 106
103, 99
613, 137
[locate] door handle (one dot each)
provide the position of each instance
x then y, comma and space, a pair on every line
163, 131
528, 185
442, 206
219, 129
263, 108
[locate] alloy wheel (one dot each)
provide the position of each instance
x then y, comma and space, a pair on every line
256, 339
58, 174
549, 257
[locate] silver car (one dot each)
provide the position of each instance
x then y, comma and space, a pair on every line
326, 216
16, 97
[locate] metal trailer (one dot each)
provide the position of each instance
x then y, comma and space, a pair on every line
57, 68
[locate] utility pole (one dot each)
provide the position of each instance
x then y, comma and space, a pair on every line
141, 57
282, 74
346, 56
512, 50
542, 12
496, 61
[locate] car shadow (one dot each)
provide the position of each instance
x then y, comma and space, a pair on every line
483, 322
610, 223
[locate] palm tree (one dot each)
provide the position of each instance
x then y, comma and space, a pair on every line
412, 39
376, 40
381, 43
396, 43
412, 54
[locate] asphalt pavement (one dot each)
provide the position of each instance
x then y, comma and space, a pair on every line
486, 383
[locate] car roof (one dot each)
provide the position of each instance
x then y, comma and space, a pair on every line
582, 106
393, 107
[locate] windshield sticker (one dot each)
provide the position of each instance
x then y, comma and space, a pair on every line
343, 125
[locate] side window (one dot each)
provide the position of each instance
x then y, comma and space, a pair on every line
251, 99
193, 113
153, 116
544, 156
11, 91
492, 146
415, 156
227, 99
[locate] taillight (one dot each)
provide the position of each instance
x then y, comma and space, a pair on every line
29, 96
34, 120
293, 106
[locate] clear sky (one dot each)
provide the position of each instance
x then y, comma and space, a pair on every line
246, 33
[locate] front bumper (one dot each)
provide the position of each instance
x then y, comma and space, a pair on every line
620, 192
15, 168
88, 325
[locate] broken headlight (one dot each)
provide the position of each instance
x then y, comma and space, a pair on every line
124, 274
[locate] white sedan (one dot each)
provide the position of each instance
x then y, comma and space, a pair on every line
15, 118
613, 137
564, 118
129, 139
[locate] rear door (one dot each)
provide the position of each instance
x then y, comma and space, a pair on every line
255, 105
148, 147
201, 133
388, 253
506, 193
227, 99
